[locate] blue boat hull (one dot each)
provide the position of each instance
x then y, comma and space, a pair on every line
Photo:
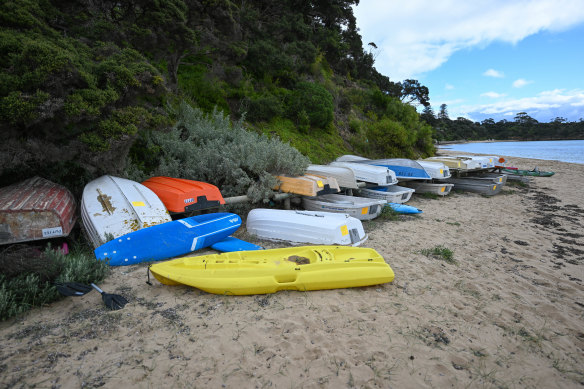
231, 244
169, 240
401, 208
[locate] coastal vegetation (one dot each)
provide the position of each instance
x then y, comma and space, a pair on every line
522, 128
93, 87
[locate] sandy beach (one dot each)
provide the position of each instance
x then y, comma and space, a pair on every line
508, 314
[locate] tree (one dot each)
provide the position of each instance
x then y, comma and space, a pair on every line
443, 114
428, 115
412, 90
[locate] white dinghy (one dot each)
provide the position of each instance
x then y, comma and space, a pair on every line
345, 177
358, 207
378, 175
113, 206
436, 170
305, 227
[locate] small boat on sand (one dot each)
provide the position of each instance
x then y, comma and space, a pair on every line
169, 239
35, 209
305, 227
113, 206
307, 185
358, 207
532, 173
378, 175
268, 271
434, 187
180, 195
485, 187
391, 194
345, 177
436, 170
456, 163
404, 169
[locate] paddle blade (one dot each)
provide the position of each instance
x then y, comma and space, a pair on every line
114, 301
72, 288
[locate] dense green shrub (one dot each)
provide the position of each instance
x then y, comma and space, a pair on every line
27, 277
263, 107
210, 148
311, 101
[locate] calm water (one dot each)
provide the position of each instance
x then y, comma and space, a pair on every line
558, 150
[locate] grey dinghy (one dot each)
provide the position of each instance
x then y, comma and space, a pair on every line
305, 227
483, 186
436, 187
359, 207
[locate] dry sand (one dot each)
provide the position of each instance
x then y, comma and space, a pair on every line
508, 314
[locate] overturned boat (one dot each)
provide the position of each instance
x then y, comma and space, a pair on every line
436, 170
378, 175
456, 163
345, 177
485, 187
181, 195
307, 185
113, 206
433, 187
358, 207
305, 227
391, 194
404, 169
35, 209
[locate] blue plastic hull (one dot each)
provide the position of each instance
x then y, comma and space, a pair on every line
231, 244
401, 208
406, 172
169, 239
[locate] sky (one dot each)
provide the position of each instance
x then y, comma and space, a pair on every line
483, 58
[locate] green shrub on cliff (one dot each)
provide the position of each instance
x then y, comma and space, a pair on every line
210, 148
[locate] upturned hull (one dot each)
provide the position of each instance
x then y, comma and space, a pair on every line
305, 227
35, 209
357, 207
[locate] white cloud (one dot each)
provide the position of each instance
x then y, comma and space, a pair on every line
520, 83
417, 36
493, 73
541, 106
449, 87
493, 95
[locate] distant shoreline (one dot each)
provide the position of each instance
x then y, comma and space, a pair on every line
455, 142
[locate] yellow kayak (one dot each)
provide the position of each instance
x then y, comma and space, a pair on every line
268, 271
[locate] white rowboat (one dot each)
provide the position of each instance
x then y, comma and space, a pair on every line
305, 227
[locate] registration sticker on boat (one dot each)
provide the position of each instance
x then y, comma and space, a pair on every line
364, 210
138, 204
319, 183
344, 230
55, 231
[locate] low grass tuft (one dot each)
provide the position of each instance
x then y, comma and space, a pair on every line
440, 252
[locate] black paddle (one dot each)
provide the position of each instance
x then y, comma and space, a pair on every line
72, 288
112, 301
